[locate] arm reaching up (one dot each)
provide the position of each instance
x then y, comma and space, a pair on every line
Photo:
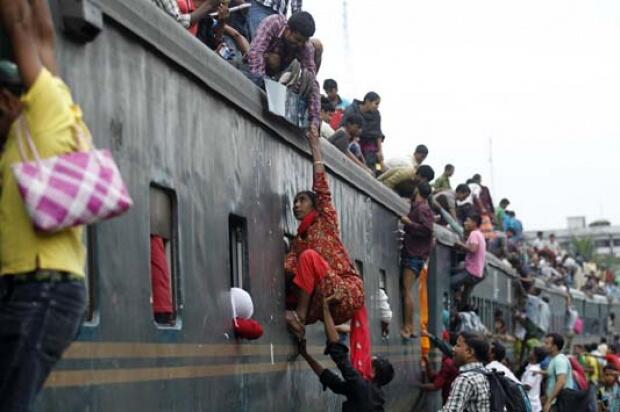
303, 351
330, 328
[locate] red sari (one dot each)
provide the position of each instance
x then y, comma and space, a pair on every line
341, 279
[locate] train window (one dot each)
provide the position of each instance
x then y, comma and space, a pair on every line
383, 280
238, 247
90, 270
164, 252
359, 265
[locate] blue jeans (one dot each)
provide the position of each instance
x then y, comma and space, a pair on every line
414, 263
256, 15
38, 321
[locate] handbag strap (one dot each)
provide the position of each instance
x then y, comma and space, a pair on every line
23, 129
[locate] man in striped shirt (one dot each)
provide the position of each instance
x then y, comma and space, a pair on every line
264, 8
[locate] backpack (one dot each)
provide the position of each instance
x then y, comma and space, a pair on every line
579, 375
506, 395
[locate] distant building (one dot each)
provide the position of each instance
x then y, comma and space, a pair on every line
606, 237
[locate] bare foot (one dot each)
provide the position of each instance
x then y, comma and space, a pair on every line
294, 323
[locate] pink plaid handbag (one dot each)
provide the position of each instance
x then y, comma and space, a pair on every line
72, 189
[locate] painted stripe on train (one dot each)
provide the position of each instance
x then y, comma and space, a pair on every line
60, 379
104, 350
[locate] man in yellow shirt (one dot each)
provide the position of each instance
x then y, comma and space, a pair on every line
42, 292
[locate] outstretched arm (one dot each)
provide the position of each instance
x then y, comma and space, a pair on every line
316, 366
330, 327
17, 21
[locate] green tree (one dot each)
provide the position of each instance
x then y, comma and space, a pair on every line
584, 246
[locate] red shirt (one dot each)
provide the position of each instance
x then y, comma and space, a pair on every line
444, 378
323, 236
187, 7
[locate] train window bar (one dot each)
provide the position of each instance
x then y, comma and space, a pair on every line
164, 256
238, 247
383, 280
91, 315
359, 265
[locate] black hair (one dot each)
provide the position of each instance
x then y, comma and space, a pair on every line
463, 188
504, 201
355, 118
384, 371
442, 200
539, 233
326, 105
422, 149
303, 23
540, 354
448, 167
426, 172
371, 97
330, 84
453, 337
499, 351
476, 218
308, 193
424, 189
557, 340
610, 367
478, 344
590, 347
476, 177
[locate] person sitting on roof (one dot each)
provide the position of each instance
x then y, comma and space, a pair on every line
363, 393
330, 87
464, 204
318, 264
443, 181
344, 140
406, 188
401, 170
371, 138
276, 45
186, 13
327, 111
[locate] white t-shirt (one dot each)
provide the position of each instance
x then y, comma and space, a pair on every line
539, 244
534, 381
500, 367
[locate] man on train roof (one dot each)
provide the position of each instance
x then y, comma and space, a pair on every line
277, 43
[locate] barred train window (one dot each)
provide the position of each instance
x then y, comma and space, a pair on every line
238, 251
164, 250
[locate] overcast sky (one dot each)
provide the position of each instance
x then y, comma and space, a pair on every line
540, 78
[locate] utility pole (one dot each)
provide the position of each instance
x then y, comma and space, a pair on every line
492, 169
